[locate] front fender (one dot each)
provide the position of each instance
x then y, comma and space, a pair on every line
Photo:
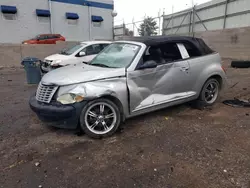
115, 87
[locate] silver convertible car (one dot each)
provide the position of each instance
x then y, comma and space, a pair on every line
127, 79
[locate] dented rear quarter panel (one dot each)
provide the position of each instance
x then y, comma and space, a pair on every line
204, 67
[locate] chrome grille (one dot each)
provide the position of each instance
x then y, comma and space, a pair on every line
45, 93
45, 64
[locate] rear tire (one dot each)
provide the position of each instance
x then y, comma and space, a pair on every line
209, 94
100, 118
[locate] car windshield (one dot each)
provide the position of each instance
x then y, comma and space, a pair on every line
116, 55
71, 50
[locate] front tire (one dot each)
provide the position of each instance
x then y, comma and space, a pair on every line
100, 118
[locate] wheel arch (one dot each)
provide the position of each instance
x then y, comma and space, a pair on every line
117, 102
217, 77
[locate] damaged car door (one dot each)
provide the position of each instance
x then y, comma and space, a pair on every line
152, 87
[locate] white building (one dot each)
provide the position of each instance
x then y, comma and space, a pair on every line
76, 20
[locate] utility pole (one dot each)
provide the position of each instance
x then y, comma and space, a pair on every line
124, 28
163, 14
172, 19
193, 17
159, 15
133, 26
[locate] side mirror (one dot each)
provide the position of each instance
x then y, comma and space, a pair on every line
148, 65
82, 54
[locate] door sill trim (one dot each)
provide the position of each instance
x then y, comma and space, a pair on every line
163, 102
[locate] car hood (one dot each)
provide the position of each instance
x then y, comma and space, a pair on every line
80, 73
58, 57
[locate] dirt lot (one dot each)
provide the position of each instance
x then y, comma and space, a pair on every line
179, 147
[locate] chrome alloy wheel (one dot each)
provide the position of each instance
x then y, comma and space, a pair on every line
100, 118
211, 92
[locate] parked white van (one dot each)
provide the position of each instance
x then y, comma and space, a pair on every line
83, 52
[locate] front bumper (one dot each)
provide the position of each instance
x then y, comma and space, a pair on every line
56, 114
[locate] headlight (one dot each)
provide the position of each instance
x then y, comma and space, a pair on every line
69, 98
56, 63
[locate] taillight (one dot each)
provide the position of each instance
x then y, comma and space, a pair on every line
223, 68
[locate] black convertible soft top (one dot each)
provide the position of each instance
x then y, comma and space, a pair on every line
158, 40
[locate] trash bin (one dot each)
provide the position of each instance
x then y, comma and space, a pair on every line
32, 69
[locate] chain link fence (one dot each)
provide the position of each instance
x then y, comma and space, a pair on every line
138, 28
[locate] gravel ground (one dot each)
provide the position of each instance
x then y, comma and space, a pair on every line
178, 147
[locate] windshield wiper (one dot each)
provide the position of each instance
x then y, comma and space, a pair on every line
101, 65
63, 52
